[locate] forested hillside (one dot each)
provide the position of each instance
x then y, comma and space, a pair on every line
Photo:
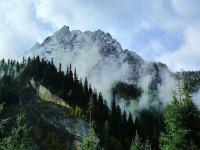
177, 127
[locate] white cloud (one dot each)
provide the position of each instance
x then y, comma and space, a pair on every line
153, 50
19, 27
187, 56
186, 9
23, 22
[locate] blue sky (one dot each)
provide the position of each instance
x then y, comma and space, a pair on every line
160, 30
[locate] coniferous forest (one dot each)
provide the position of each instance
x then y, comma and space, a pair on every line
177, 127
99, 75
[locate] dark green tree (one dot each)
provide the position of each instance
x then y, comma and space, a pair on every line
90, 142
20, 138
137, 144
182, 119
60, 68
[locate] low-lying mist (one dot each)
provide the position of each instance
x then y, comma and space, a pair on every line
104, 72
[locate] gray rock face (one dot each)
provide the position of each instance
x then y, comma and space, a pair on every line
45, 95
47, 117
66, 40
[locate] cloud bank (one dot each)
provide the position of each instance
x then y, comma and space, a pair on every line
164, 30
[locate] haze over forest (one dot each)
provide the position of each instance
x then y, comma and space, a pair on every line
99, 75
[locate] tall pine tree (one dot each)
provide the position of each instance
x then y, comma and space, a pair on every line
182, 122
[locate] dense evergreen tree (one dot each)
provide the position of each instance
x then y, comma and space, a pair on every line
131, 128
60, 68
182, 119
90, 142
127, 91
2, 121
137, 144
20, 138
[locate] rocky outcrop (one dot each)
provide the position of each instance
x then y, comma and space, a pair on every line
46, 95
48, 116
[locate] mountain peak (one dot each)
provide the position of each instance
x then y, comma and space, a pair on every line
63, 31
64, 40
65, 28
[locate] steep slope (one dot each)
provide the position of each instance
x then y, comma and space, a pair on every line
47, 119
81, 99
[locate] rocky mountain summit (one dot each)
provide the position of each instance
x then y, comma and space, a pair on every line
95, 54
